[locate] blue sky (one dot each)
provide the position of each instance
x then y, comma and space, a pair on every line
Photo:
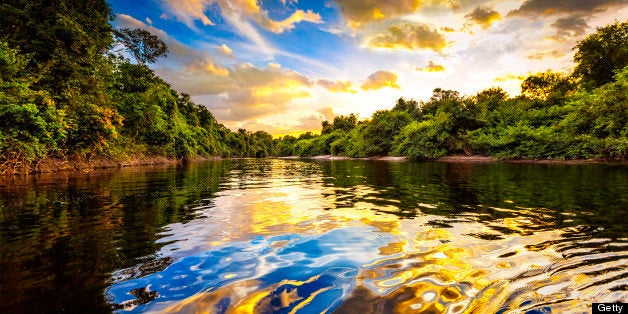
284, 66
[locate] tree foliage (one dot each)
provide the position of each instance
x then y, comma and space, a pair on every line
556, 117
602, 54
144, 46
62, 94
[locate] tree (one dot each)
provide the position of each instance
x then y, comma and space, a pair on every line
383, 128
66, 41
410, 106
144, 46
345, 123
550, 86
602, 54
30, 124
441, 99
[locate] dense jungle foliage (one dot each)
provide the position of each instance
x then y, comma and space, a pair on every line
64, 93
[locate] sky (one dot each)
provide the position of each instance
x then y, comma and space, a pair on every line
284, 66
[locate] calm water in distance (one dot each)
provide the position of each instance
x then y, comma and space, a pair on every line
293, 236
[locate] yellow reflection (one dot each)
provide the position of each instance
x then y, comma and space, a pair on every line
424, 269
247, 297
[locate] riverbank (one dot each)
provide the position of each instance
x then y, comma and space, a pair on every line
86, 165
466, 159
333, 157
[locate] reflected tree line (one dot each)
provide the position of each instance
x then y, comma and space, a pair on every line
61, 237
565, 195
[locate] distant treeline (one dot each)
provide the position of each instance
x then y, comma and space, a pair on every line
557, 116
65, 93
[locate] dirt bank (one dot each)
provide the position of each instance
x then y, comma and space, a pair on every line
85, 165
332, 157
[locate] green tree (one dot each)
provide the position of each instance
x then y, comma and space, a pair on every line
30, 124
144, 46
382, 129
345, 123
601, 117
425, 139
65, 39
548, 86
602, 54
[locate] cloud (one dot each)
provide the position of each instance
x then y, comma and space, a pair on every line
149, 21
485, 17
545, 7
239, 14
308, 123
379, 80
261, 92
224, 51
570, 26
337, 87
288, 23
509, 77
179, 54
240, 93
408, 36
311, 123
189, 11
540, 55
360, 12
327, 112
431, 67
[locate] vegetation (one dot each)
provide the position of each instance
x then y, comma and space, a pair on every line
65, 93
582, 115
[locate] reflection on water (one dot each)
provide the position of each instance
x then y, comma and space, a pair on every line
290, 236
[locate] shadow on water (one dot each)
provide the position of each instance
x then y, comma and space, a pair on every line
61, 235
312, 236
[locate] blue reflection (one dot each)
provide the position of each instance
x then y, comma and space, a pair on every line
324, 265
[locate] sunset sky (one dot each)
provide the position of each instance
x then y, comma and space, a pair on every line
284, 66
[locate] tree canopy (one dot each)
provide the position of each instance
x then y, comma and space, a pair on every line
602, 54
144, 46
64, 94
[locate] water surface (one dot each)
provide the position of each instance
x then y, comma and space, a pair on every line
290, 236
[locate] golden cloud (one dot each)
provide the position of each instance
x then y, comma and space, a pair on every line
327, 112
540, 55
509, 77
239, 93
431, 67
337, 87
189, 11
408, 36
224, 51
261, 92
485, 17
288, 23
309, 123
379, 80
360, 12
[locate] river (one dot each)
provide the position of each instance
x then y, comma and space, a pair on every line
296, 236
